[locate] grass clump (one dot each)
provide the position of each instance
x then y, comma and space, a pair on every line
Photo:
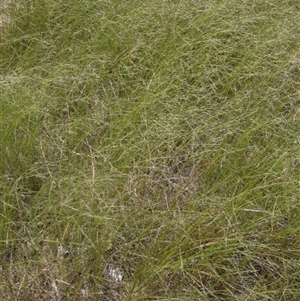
150, 151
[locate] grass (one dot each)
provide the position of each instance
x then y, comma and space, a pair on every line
150, 150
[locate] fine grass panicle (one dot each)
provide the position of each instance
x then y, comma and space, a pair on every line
150, 150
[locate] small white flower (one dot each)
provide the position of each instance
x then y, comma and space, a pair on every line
62, 252
115, 274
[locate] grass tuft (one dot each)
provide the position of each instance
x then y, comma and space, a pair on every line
150, 150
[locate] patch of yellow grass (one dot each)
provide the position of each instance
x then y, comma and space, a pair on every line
4, 18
